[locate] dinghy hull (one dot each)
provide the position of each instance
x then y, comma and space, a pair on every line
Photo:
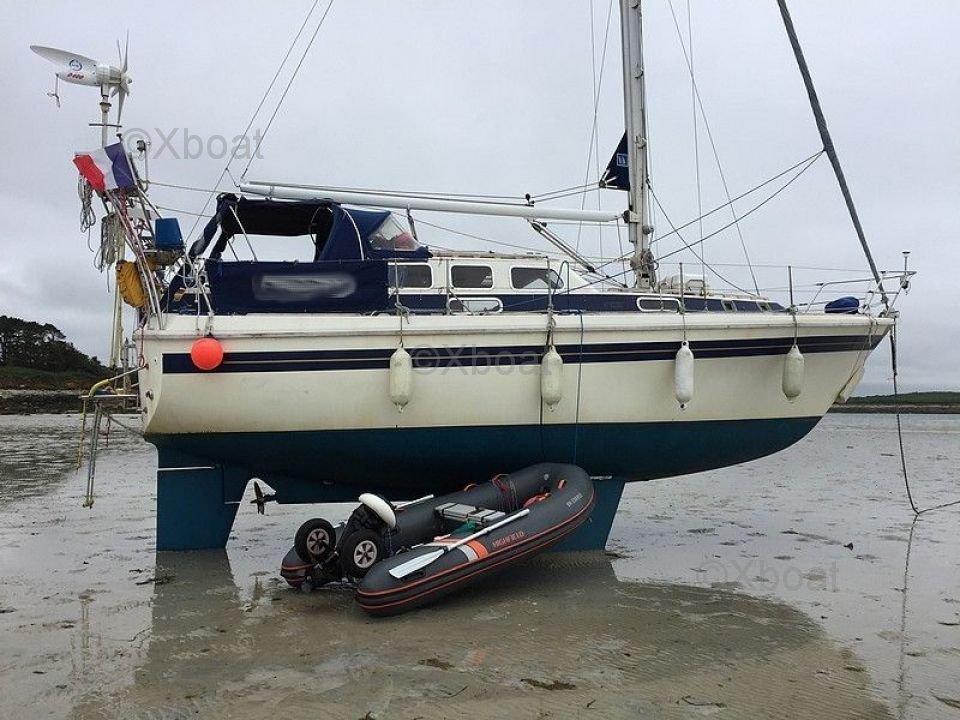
558, 499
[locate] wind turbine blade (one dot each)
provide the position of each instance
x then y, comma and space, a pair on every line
62, 57
126, 48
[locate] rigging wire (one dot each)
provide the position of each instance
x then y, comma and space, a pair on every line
713, 144
539, 251
696, 133
563, 192
688, 57
283, 95
597, 87
752, 210
803, 164
561, 196
689, 247
189, 188
263, 99
696, 129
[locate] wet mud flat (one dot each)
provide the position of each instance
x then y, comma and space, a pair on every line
729, 594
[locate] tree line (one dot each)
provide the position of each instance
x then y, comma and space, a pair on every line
41, 347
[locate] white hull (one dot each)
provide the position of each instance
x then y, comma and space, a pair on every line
736, 387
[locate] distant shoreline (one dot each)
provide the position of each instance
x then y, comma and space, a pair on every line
933, 402
905, 408
35, 402
29, 391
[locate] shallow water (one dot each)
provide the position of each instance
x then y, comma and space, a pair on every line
732, 593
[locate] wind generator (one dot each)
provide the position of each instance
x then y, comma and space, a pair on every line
81, 70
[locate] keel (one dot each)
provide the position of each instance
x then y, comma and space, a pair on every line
196, 501
593, 534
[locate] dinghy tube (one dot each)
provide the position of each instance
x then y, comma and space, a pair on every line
494, 525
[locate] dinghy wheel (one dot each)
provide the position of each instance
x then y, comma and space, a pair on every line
360, 551
315, 541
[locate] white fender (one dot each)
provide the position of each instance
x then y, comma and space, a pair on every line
793, 373
683, 375
551, 377
381, 507
401, 378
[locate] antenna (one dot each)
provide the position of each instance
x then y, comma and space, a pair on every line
81, 70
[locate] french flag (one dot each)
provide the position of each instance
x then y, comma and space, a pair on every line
107, 168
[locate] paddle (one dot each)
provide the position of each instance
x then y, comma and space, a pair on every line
421, 561
412, 502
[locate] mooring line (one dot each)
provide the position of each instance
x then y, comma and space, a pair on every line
903, 457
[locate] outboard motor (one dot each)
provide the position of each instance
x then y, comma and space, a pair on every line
363, 542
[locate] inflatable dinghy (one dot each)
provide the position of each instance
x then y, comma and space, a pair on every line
406, 556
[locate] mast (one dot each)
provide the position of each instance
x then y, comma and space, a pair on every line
635, 117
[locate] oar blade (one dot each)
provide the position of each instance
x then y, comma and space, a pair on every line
411, 566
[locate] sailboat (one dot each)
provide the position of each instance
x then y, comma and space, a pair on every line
386, 366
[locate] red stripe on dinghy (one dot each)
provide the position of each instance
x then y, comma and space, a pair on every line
293, 568
479, 548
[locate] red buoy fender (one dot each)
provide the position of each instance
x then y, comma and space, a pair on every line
206, 353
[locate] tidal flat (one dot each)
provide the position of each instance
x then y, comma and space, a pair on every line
797, 586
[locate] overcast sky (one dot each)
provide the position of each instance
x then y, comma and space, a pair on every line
497, 98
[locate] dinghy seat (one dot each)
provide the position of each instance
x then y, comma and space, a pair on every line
460, 513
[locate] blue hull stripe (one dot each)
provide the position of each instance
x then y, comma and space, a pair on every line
440, 357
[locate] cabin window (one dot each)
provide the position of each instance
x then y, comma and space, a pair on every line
658, 304
535, 278
728, 305
471, 276
474, 306
409, 276
764, 306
